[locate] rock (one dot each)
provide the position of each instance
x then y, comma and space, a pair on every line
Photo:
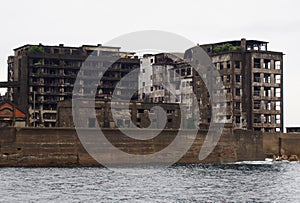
293, 158
284, 157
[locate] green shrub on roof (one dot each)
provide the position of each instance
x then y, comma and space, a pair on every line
36, 49
225, 47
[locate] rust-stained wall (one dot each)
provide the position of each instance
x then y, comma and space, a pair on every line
61, 147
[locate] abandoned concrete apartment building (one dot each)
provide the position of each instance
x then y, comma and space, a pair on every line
251, 75
41, 76
253, 80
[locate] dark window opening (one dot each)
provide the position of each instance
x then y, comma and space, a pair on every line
228, 78
237, 105
257, 77
221, 66
228, 64
257, 63
256, 91
237, 64
257, 129
267, 78
189, 71
267, 118
267, 91
267, 64
237, 78
268, 130
238, 92
257, 118
140, 110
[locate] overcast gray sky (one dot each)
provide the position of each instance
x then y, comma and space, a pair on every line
75, 22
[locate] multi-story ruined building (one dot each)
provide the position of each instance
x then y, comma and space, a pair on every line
43, 75
251, 76
253, 82
166, 78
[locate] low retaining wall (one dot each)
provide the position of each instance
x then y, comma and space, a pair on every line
281, 144
61, 147
290, 144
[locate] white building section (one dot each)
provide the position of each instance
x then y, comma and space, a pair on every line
145, 76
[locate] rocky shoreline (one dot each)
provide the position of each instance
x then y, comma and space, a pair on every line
286, 158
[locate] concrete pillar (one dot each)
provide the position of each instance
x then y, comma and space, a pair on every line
272, 64
272, 78
243, 44
272, 92
272, 105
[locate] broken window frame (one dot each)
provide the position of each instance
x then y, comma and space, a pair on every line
256, 63
256, 77
237, 78
277, 105
267, 92
267, 78
277, 92
257, 91
277, 79
256, 104
277, 64
228, 64
238, 92
237, 105
267, 64
277, 119
256, 118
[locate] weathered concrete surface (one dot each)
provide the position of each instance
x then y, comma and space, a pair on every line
271, 144
61, 147
290, 144
281, 144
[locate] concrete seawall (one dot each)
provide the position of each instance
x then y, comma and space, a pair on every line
62, 147
281, 144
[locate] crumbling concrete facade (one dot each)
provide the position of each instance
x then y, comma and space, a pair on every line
45, 75
253, 82
252, 76
127, 115
166, 78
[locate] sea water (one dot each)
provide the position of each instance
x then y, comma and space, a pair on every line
237, 182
